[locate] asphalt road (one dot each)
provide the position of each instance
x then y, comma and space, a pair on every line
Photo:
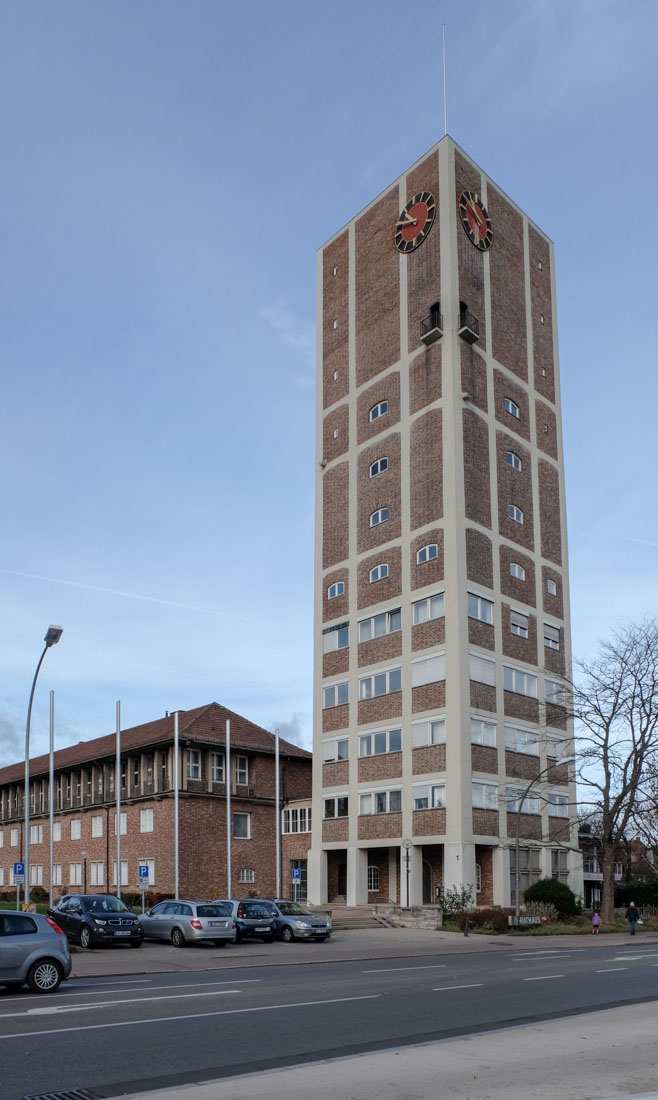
129, 1033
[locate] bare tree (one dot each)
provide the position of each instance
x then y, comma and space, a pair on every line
615, 704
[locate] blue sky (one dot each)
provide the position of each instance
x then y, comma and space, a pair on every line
169, 171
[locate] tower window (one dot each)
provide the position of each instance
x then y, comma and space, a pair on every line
515, 513
336, 270
378, 467
513, 460
335, 637
518, 624
380, 516
336, 589
551, 636
335, 433
516, 570
551, 587
479, 608
427, 553
378, 410
335, 324
335, 376
379, 573
511, 407
389, 622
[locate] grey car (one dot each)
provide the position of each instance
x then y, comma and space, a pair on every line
33, 949
183, 922
253, 918
294, 922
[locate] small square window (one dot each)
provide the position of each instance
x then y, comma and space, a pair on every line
336, 270
335, 324
335, 376
516, 570
335, 433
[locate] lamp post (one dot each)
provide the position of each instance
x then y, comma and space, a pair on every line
536, 779
406, 844
53, 634
84, 871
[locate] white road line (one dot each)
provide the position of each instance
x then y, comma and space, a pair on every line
49, 1010
543, 978
543, 958
443, 989
395, 969
190, 1016
612, 970
186, 985
631, 958
117, 981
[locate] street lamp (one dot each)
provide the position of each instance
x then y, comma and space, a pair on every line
53, 634
84, 871
540, 775
406, 844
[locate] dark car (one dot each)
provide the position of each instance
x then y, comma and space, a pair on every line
95, 919
253, 919
294, 922
183, 922
33, 949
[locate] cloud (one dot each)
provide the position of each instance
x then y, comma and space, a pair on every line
12, 740
291, 731
107, 591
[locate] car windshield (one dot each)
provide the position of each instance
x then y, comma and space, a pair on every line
254, 910
212, 911
105, 905
292, 909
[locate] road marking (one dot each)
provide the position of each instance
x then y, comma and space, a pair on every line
543, 978
186, 985
630, 958
395, 969
190, 1016
543, 958
443, 989
49, 1010
612, 970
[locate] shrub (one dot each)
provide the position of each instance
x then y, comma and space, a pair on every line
642, 892
38, 895
456, 899
491, 918
551, 891
543, 909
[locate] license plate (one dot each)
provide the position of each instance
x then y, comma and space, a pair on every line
217, 924
122, 933
264, 929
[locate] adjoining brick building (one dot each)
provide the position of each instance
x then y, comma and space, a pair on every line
85, 810
442, 600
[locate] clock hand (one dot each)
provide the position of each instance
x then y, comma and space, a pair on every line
408, 219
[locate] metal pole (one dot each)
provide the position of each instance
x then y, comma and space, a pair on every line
277, 799
26, 792
176, 809
51, 806
117, 783
228, 807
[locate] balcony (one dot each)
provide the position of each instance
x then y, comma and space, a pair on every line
431, 328
469, 327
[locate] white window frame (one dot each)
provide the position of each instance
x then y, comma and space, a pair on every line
482, 669
373, 879
218, 767
379, 466
517, 571
124, 823
519, 623
57, 831
552, 637
428, 670
380, 409
432, 607
432, 794
529, 802
483, 731
387, 800
378, 517
514, 513
513, 460
76, 828
335, 695
246, 874
428, 732
240, 814
36, 874
339, 811
519, 681
484, 796
146, 824
551, 586
390, 678
558, 804
241, 766
335, 637
335, 750
511, 407
379, 573
97, 825
13, 838
75, 874
519, 739
479, 607
335, 589
380, 742
193, 764
124, 872
555, 693
377, 626
427, 553
36, 834
57, 874
97, 872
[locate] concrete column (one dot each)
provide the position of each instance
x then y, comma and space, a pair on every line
502, 890
459, 865
411, 883
392, 875
357, 876
316, 870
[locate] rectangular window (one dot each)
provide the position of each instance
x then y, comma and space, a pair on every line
57, 874
218, 774
558, 805
432, 607
97, 825
429, 796
387, 623
383, 741
531, 803
2, 876
479, 608
57, 831
13, 838
194, 764
373, 879
335, 637
485, 796
381, 683
336, 749
428, 670
146, 821
555, 693
241, 771
241, 826
430, 732
529, 869
483, 732
36, 834
481, 669
36, 874
124, 872
75, 874
551, 587
521, 740
75, 828
297, 821
560, 865
336, 589
97, 873
380, 802
518, 624
2, 838
335, 695
521, 683
336, 806
150, 863
555, 747
551, 636
124, 824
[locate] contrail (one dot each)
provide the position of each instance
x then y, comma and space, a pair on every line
107, 591
645, 542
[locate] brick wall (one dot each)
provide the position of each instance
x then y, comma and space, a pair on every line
481, 634
378, 857
336, 774
429, 822
470, 259
504, 387
426, 635
541, 306
381, 491
381, 708
428, 696
377, 288
476, 468
521, 591
508, 317
383, 766
428, 759
522, 649
385, 648
474, 375
483, 696
522, 765
385, 389
484, 858
552, 604
479, 557
485, 822
335, 718
335, 421
425, 378
335, 516
336, 608
429, 572
423, 265
484, 758
549, 512
335, 340
335, 829
383, 590
546, 429
514, 487
336, 662
426, 459
379, 826
520, 706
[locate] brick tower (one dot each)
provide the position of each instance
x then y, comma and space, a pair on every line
441, 598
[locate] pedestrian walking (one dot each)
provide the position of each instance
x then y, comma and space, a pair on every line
632, 916
596, 924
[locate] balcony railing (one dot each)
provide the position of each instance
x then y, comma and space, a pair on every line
469, 327
431, 328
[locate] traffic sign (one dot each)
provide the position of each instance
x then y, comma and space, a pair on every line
143, 875
19, 874
296, 874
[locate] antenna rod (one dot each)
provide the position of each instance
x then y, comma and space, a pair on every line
445, 99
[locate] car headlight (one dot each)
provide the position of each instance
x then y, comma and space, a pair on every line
97, 920
303, 924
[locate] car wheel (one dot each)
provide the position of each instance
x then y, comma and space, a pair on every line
219, 943
287, 934
44, 976
136, 943
85, 936
177, 938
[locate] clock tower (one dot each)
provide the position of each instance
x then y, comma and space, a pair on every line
441, 575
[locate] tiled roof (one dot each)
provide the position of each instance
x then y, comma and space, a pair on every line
203, 724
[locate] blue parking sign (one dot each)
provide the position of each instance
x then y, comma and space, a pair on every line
143, 874
296, 874
19, 874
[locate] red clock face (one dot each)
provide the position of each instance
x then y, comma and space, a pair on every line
475, 220
415, 221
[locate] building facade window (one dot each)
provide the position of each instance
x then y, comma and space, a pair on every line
194, 764
124, 824
57, 874
13, 838
428, 670
57, 831
387, 623
97, 825
336, 806
335, 637
378, 467
518, 624
380, 802
373, 879
75, 874
246, 874
241, 826
484, 796
75, 828
146, 821
521, 740
335, 695
481, 669
555, 693
528, 804
432, 607
380, 516
521, 683
380, 683
483, 732
336, 589
513, 460
241, 771
335, 750
479, 608
516, 570
551, 587
511, 407
36, 834
297, 820
551, 636
429, 796
379, 573
427, 553
96, 873
558, 805
124, 872
378, 410
380, 742
36, 874
529, 869
218, 772
515, 513
560, 865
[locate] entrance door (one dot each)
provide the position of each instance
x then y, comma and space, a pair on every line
342, 879
427, 883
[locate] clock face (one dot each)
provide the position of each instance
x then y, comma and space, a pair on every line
475, 220
415, 221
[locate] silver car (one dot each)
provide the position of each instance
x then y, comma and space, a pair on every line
183, 922
294, 922
33, 949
